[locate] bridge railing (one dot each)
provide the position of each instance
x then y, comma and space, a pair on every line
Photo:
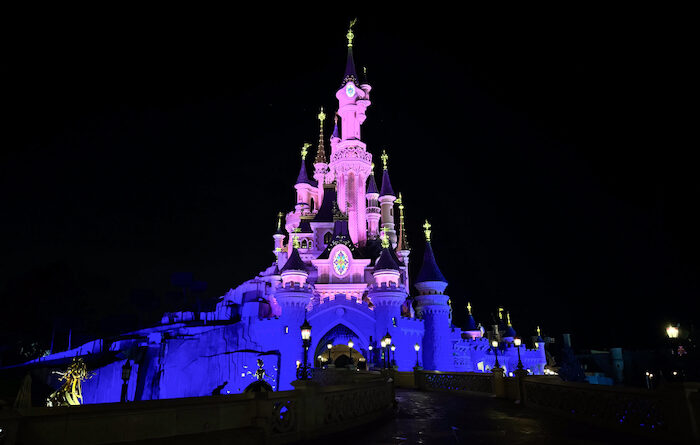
671, 412
306, 412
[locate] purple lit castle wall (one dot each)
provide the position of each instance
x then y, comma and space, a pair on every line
341, 262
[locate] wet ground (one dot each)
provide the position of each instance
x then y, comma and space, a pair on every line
442, 418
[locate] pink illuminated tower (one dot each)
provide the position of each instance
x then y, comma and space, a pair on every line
350, 161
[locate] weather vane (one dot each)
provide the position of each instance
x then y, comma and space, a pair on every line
350, 35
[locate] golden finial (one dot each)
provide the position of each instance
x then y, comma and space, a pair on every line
400, 202
539, 334
500, 313
279, 220
385, 237
508, 318
385, 158
371, 169
469, 308
322, 115
295, 242
427, 230
304, 150
350, 35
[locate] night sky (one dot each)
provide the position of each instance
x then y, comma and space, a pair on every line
546, 153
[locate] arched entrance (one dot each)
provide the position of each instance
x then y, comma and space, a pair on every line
339, 338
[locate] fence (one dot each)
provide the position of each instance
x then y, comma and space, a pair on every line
308, 411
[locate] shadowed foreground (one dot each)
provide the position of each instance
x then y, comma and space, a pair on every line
441, 418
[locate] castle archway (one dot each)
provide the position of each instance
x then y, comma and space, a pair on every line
338, 337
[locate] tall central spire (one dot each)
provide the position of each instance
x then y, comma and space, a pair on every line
350, 73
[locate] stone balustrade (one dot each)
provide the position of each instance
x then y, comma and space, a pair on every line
668, 413
308, 411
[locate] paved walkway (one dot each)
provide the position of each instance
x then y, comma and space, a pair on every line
442, 418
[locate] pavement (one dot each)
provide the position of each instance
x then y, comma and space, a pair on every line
443, 418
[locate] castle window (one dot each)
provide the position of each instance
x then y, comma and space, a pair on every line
327, 238
304, 245
311, 244
286, 329
393, 321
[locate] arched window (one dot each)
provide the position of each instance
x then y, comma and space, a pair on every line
311, 244
313, 204
327, 238
303, 244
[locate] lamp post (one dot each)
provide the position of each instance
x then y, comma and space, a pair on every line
392, 363
383, 357
417, 348
672, 332
304, 372
126, 375
517, 341
371, 359
350, 345
494, 345
329, 346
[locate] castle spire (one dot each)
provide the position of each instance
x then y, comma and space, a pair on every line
471, 323
429, 271
335, 127
387, 190
403, 240
303, 177
372, 184
321, 152
350, 74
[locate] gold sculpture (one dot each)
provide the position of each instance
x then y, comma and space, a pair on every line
70, 393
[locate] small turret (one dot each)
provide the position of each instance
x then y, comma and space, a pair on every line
510, 332
373, 210
294, 270
279, 236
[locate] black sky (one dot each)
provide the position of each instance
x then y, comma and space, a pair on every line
546, 151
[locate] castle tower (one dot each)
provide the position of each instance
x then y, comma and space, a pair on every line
387, 296
373, 211
350, 162
293, 296
386, 200
321, 163
433, 308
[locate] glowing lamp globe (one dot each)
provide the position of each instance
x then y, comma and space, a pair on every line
393, 347
329, 345
494, 343
305, 330
517, 341
383, 343
387, 338
672, 331
350, 344
416, 347
370, 347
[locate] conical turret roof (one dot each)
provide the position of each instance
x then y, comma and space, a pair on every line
372, 184
386, 261
294, 262
429, 271
386, 185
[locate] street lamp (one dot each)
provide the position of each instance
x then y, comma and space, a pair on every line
517, 342
393, 355
417, 348
494, 345
304, 372
383, 357
350, 345
126, 375
329, 346
387, 338
672, 331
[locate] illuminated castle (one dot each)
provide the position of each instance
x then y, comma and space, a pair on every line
341, 263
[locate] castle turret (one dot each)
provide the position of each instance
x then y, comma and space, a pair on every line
350, 162
433, 308
472, 328
279, 237
373, 211
510, 333
387, 295
386, 200
306, 188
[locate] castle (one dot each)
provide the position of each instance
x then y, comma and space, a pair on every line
341, 264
